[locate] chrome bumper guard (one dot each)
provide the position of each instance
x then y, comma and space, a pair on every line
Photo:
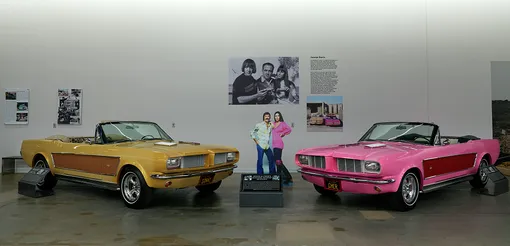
355, 180
187, 175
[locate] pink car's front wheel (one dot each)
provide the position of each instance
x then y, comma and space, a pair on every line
480, 179
324, 191
407, 194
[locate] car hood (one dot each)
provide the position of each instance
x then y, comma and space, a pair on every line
364, 150
177, 148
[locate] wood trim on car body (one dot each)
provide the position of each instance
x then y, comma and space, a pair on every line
94, 164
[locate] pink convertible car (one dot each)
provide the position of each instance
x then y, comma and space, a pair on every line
401, 158
332, 120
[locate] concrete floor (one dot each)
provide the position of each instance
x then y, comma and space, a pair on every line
79, 215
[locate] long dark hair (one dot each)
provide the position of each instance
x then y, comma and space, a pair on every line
285, 79
283, 69
280, 114
249, 63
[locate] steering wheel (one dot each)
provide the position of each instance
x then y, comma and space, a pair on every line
143, 138
414, 137
424, 138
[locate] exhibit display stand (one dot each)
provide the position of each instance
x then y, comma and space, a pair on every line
261, 190
497, 183
38, 182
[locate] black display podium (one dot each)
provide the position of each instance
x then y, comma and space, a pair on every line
261, 190
33, 183
497, 183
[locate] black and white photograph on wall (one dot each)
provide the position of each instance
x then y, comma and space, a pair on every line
324, 114
263, 80
16, 106
500, 80
69, 106
22, 106
21, 117
9, 95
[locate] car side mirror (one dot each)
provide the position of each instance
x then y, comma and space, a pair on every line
88, 141
446, 142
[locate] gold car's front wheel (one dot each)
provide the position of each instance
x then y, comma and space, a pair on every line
134, 189
50, 181
209, 188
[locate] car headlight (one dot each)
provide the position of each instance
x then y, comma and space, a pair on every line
303, 159
231, 156
372, 167
172, 163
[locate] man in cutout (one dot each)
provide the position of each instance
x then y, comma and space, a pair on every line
261, 135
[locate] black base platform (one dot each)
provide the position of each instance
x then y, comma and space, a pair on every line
261, 190
34, 183
497, 183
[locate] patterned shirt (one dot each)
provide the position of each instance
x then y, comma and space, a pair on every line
262, 133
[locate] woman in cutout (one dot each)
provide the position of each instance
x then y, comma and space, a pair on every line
280, 129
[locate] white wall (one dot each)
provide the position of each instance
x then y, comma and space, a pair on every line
463, 38
166, 61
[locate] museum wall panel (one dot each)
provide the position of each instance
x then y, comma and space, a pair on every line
463, 38
172, 62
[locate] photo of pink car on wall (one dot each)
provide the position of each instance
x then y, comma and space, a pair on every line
324, 114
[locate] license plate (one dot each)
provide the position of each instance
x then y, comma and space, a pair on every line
333, 185
206, 179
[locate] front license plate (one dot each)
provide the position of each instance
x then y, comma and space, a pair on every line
333, 185
206, 179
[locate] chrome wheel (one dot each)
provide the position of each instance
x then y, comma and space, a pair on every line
131, 187
50, 180
410, 189
40, 164
481, 173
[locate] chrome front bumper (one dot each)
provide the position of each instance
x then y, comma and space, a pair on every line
187, 175
355, 180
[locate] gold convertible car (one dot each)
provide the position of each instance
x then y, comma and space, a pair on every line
134, 157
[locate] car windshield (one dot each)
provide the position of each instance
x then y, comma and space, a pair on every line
116, 132
400, 132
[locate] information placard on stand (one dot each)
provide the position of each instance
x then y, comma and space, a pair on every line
261, 190
36, 183
497, 183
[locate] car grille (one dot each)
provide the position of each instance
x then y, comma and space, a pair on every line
349, 165
193, 161
220, 158
317, 162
